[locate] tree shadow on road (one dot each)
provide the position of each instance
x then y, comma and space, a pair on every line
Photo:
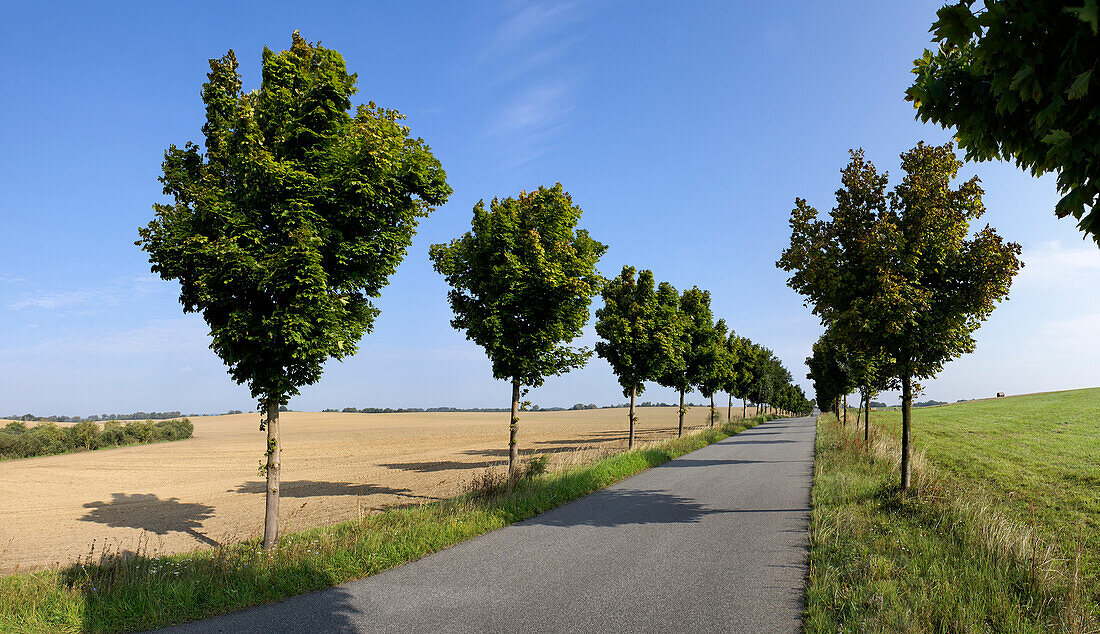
619, 508
147, 512
698, 462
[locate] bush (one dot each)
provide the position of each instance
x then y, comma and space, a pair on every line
112, 434
82, 436
174, 429
16, 441
139, 431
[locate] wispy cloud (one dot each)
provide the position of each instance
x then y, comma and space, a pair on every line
89, 300
533, 21
1054, 266
7, 279
527, 51
186, 334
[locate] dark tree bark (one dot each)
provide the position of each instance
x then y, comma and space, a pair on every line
513, 427
867, 419
906, 419
681, 432
271, 516
712, 411
729, 408
744, 408
630, 441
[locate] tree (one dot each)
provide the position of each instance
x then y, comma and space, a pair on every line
700, 336
521, 283
1014, 80
912, 285
641, 336
288, 224
743, 378
831, 370
735, 350
714, 365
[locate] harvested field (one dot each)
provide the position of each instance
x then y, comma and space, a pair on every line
188, 494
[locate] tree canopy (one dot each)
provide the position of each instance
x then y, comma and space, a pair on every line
1017, 80
640, 336
522, 280
293, 218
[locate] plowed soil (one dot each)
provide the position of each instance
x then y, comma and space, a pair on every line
196, 493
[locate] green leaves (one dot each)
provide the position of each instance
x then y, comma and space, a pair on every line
1018, 89
1080, 86
640, 329
293, 219
893, 275
521, 282
1057, 137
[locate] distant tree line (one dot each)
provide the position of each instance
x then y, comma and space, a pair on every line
528, 408
94, 417
47, 438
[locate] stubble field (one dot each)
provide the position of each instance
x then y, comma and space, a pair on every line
189, 494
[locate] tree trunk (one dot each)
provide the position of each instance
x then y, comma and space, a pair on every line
845, 410
681, 432
271, 517
630, 441
867, 419
744, 408
729, 409
713, 413
513, 427
906, 420
859, 410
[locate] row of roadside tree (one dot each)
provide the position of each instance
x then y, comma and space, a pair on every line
286, 225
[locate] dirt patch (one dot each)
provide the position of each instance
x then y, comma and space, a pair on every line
190, 494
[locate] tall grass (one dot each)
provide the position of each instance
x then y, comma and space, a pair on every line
940, 557
115, 592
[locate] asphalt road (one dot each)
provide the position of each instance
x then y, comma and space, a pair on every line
712, 541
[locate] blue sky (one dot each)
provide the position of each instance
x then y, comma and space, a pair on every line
684, 135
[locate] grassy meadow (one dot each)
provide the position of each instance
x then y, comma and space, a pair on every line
1000, 532
126, 593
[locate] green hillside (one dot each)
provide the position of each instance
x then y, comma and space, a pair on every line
1037, 456
956, 552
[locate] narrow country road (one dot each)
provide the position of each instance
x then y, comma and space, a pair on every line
712, 541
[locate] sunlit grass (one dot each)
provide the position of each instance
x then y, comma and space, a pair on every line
956, 553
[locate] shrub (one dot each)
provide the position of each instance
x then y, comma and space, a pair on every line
177, 429
112, 434
139, 431
16, 427
82, 436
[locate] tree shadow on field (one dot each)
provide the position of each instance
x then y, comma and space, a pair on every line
313, 488
147, 512
441, 465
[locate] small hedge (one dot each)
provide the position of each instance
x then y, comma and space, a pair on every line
45, 439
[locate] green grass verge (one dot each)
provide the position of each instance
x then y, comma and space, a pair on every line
1036, 457
132, 593
944, 557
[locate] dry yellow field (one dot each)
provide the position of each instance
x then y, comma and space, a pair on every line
189, 494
